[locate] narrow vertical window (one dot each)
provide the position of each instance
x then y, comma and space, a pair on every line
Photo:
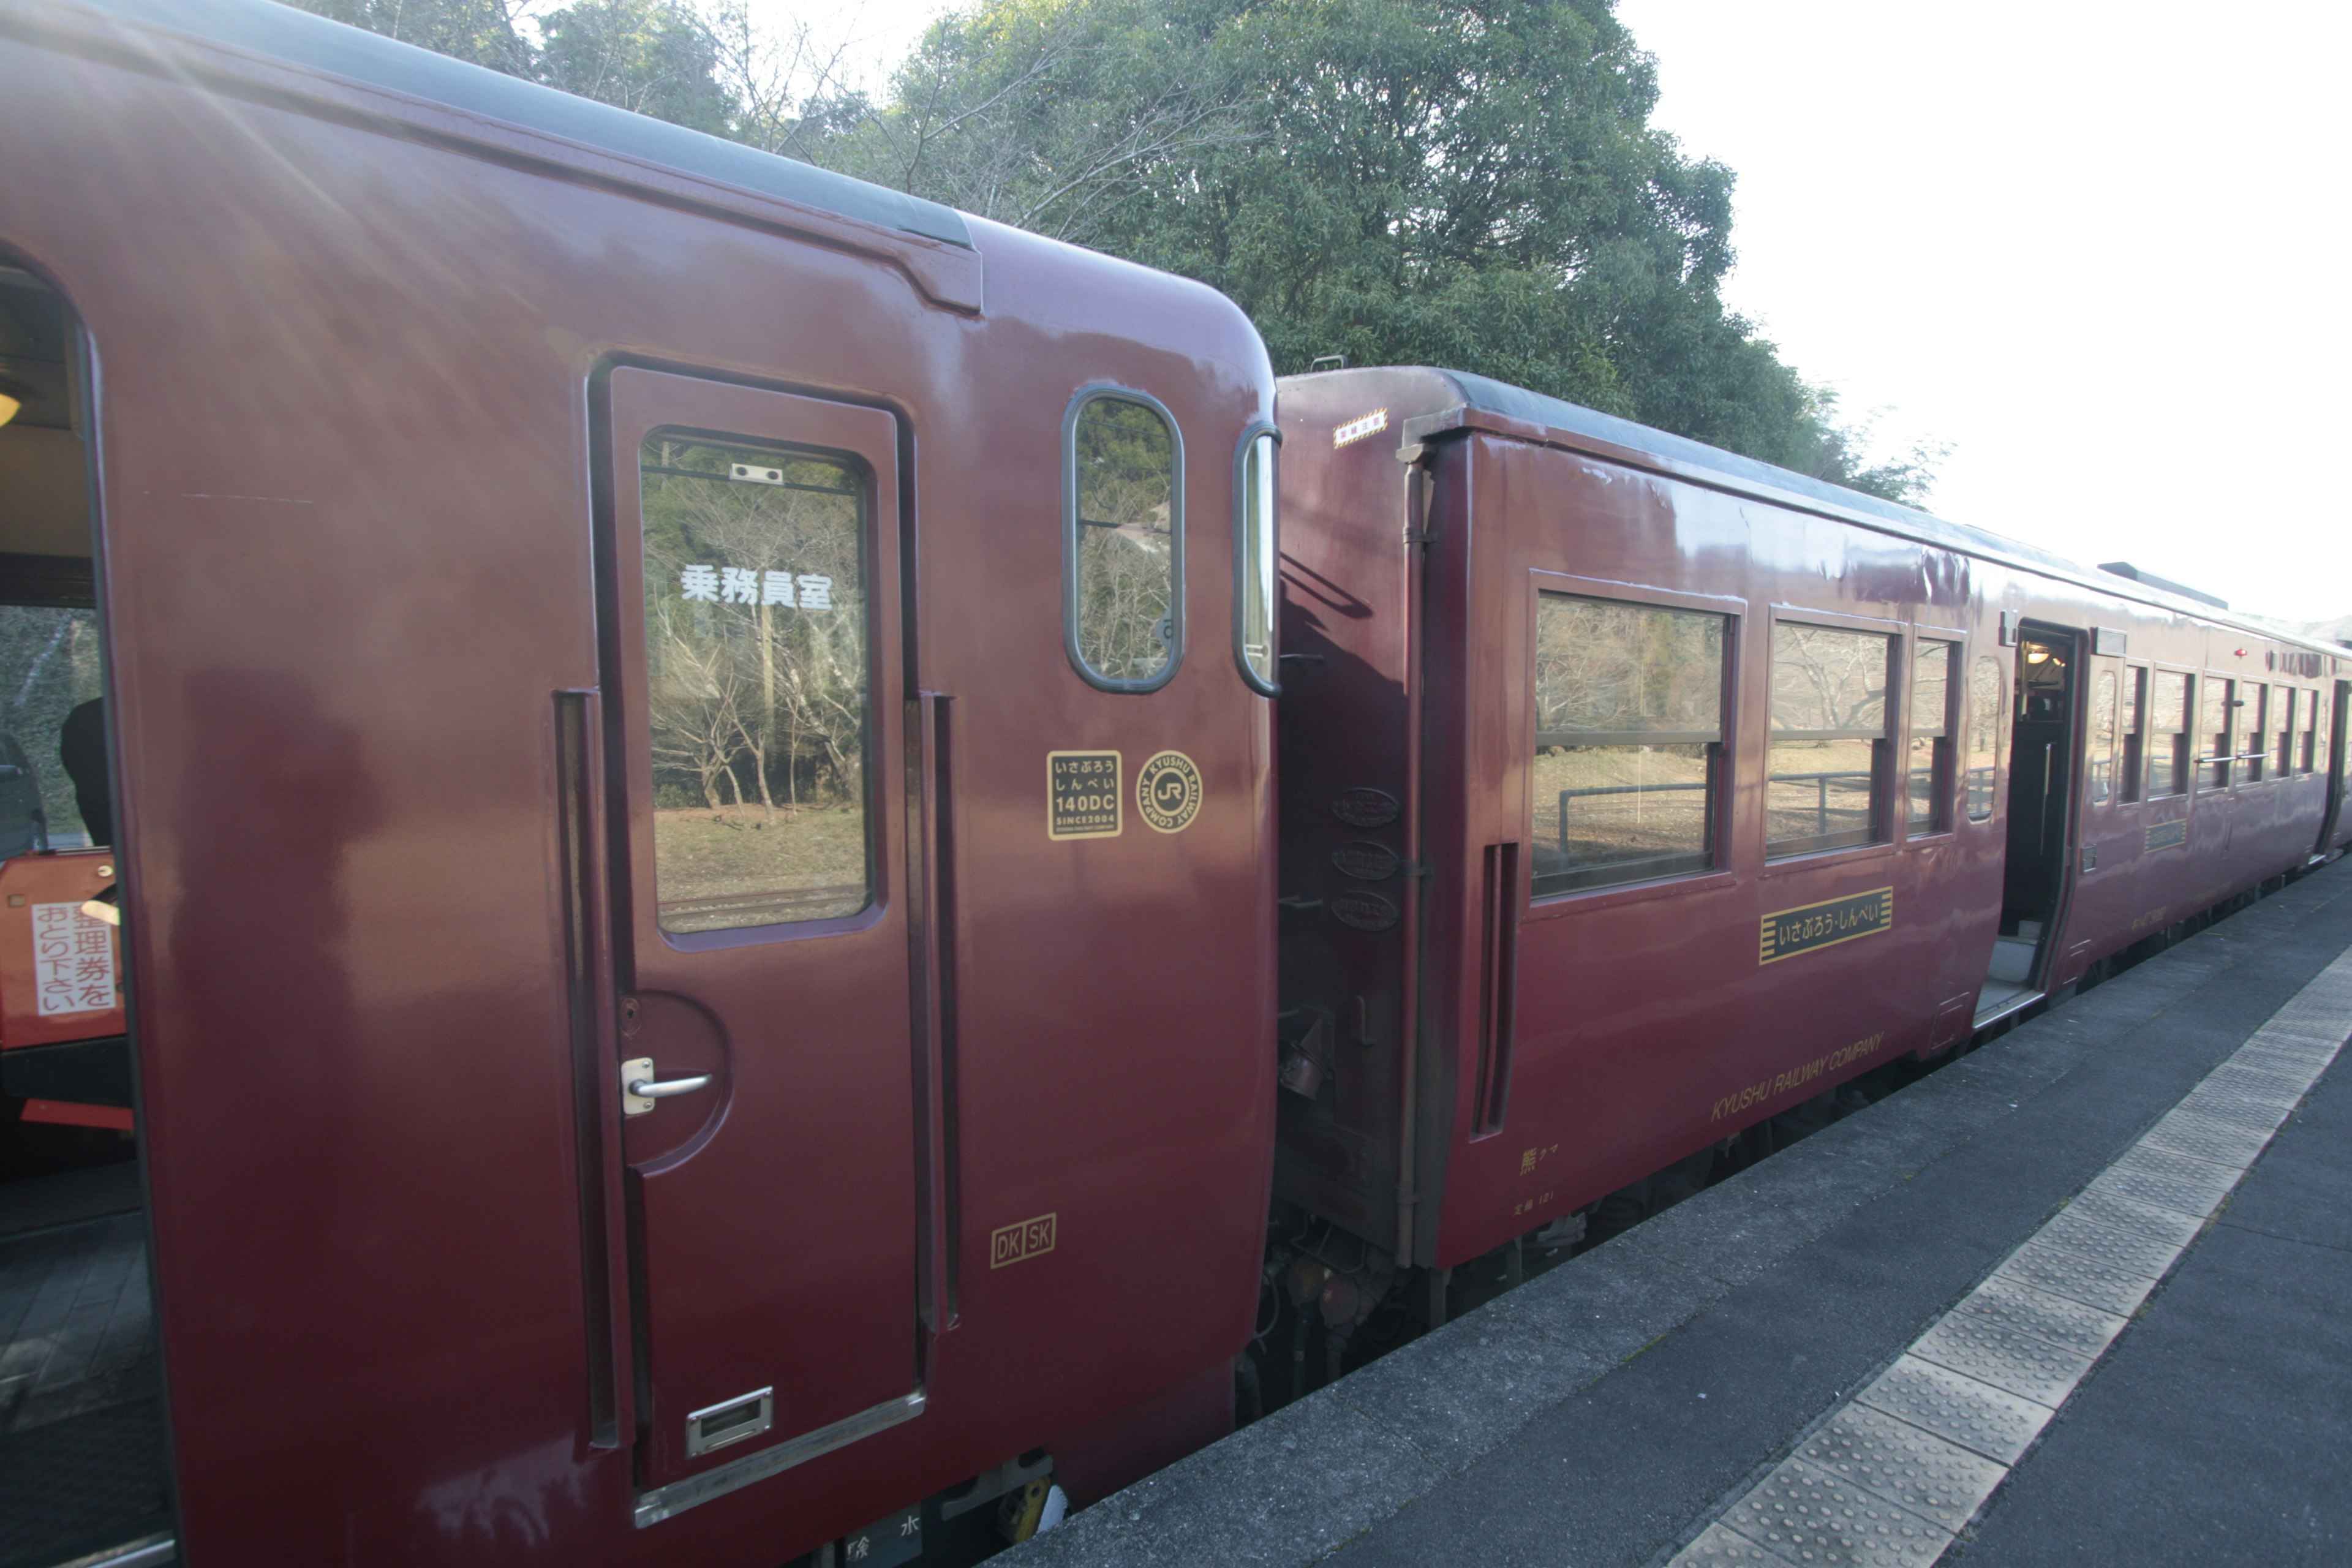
1829, 738
1629, 742
2315, 734
2167, 737
2130, 778
1930, 773
756, 683
2283, 725
2103, 738
1988, 737
2214, 729
2254, 754
1123, 496
1256, 549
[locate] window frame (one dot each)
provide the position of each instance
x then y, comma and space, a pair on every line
2131, 750
1256, 431
2183, 740
1955, 642
1092, 392
2223, 759
1735, 611
1886, 764
2004, 669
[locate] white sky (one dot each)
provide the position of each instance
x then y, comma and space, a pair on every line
2095, 248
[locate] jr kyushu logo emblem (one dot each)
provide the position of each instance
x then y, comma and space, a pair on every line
1168, 791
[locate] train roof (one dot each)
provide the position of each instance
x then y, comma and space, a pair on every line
1696, 459
300, 38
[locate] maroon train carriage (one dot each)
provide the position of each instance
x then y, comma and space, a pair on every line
1633, 792
686, 733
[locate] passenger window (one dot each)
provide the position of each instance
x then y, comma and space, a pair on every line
1829, 738
1931, 737
53, 792
756, 685
2214, 729
2103, 737
2135, 725
2315, 734
2167, 741
1125, 502
1629, 742
1988, 737
2283, 725
1255, 556
2257, 715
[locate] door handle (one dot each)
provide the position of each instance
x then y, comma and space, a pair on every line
640, 1090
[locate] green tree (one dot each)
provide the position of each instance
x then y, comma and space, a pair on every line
655, 57
481, 31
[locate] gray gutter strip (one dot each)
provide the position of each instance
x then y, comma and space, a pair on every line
300, 38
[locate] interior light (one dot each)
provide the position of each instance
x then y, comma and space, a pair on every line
9, 406
2036, 653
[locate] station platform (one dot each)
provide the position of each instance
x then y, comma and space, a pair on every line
2078, 1297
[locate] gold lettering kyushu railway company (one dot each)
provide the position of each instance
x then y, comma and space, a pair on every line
1797, 1076
1825, 924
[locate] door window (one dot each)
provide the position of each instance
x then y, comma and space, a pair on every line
1829, 738
1124, 541
1254, 557
2214, 729
756, 685
1988, 737
1629, 742
1930, 773
2168, 741
2129, 779
2103, 737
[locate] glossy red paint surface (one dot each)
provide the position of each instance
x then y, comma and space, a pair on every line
352, 450
1642, 1024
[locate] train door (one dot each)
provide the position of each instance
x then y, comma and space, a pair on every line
2040, 829
81, 1429
761, 932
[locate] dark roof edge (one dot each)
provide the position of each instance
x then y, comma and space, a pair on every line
299, 39
1623, 440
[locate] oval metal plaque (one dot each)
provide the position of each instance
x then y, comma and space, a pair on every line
1365, 860
1363, 909
1365, 806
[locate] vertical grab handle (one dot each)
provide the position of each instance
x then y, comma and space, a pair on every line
930, 922
1499, 985
588, 996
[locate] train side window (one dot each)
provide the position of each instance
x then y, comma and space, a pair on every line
2103, 737
1988, 737
1256, 555
2215, 730
756, 687
2128, 778
1829, 741
2167, 741
2282, 717
1932, 691
2256, 712
1123, 540
2315, 733
1628, 743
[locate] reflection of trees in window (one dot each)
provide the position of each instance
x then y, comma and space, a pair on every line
49, 666
756, 681
2103, 736
1931, 737
1629, 734
1125, 463
1988, 736
2168, 745
1829, 737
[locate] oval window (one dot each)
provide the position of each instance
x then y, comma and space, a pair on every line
1255, 563
1124, 544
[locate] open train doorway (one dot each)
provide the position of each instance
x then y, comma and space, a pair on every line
2040, 820
82, 1435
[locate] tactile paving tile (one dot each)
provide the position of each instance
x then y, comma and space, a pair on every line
2130, 1214
1993, 1352
1940, 1481
2236, 1107
2077, 1277
1721, 1548
2197, 1199
1810, 1516
2209, 1138
2128, 1250
2070, 1325
1974, 1415
2284, 1055
2176, 1166
2262, 1079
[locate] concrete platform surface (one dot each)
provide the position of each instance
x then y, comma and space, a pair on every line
1654, 1399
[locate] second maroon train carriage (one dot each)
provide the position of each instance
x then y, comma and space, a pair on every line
698, 806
